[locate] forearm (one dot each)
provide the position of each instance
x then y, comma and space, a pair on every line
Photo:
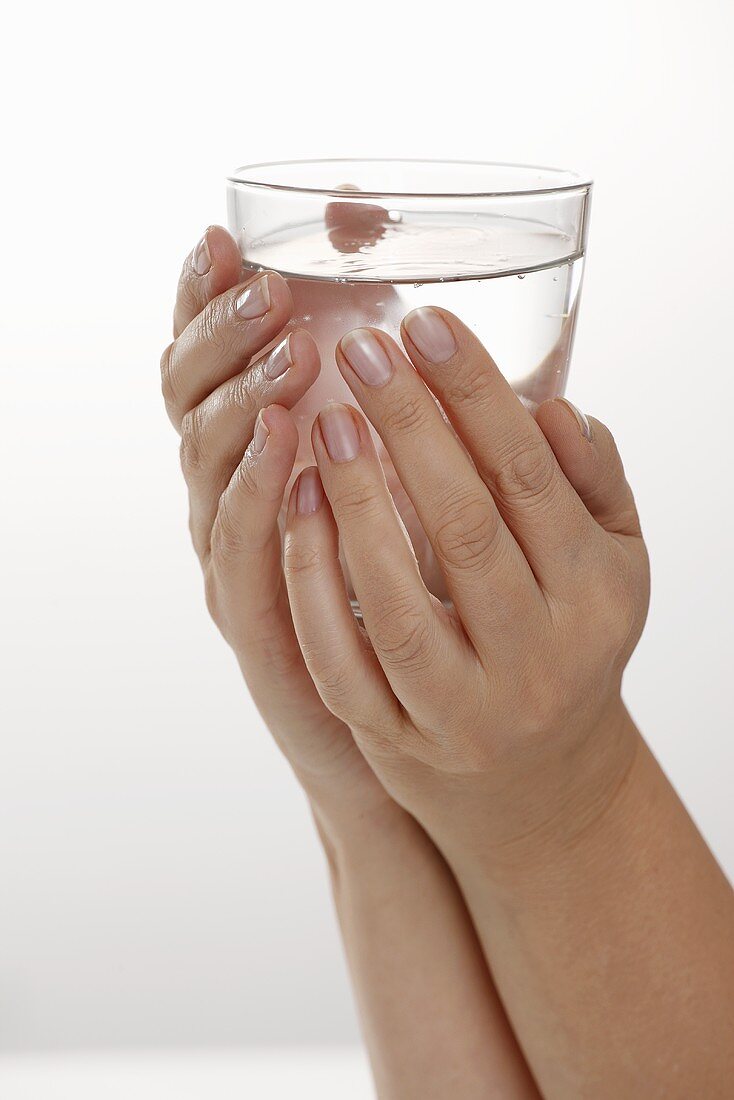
612, 947
431, 1018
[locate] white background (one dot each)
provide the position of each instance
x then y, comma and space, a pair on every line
160, 879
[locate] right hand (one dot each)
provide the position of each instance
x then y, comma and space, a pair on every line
238, 446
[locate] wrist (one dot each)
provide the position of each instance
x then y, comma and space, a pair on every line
361, 835
525, 813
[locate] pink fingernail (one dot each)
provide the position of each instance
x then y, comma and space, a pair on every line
430, 334
339, 432
367, 357
310, 492
202, 260
580, 418
260, 435
279, 360
254, 300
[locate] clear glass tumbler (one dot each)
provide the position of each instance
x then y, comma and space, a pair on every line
363, 242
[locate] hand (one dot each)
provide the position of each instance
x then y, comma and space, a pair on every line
230, 403
510, 701
432, 1017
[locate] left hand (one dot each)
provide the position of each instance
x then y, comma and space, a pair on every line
510, 700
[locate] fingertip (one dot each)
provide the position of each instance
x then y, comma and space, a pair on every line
225, 268
582, 421
560, 418
592, 464
275, 455
569, 434
281, 299
308, 492
339, 434
304, 351
279, 422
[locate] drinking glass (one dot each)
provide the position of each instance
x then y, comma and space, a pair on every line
363, 242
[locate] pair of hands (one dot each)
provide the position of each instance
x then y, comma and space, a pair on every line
508, 703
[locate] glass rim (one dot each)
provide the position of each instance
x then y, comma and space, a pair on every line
576, 181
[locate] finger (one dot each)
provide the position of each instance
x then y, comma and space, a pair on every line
220, 341
589, 458
246, 591
510, 451
212, 267
408, 628
215, 433
245, 542
486, 573
342, 665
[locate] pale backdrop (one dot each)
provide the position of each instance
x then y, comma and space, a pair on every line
160, 879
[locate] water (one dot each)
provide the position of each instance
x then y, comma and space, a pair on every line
515, 283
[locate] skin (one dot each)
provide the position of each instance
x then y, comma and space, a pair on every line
432, 1020
499, 723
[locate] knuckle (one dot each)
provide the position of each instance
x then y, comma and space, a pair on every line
527, 474
244, 484
618, 603
466, 536
168, 388
211, 328
188, 293
403, 635
356, 502
299, 559
470, 384
334, 677
280, 653
227, 541
240, 394
405, 414
192, 450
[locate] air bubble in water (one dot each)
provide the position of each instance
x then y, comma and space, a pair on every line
395, 215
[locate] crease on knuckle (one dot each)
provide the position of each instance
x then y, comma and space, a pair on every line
472, 384
300, 559
356, 502
333, 676
403, 636
227, 541
187, 294
405, 414
241, 395
193, 450
211, 330
466, 536
527, 474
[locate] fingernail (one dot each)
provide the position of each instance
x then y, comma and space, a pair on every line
254, 300
279, 360
581, 420
339, 432
430, 334
202, 259
310, 492
260, 435
367, 357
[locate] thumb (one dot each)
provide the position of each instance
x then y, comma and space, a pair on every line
587, 454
